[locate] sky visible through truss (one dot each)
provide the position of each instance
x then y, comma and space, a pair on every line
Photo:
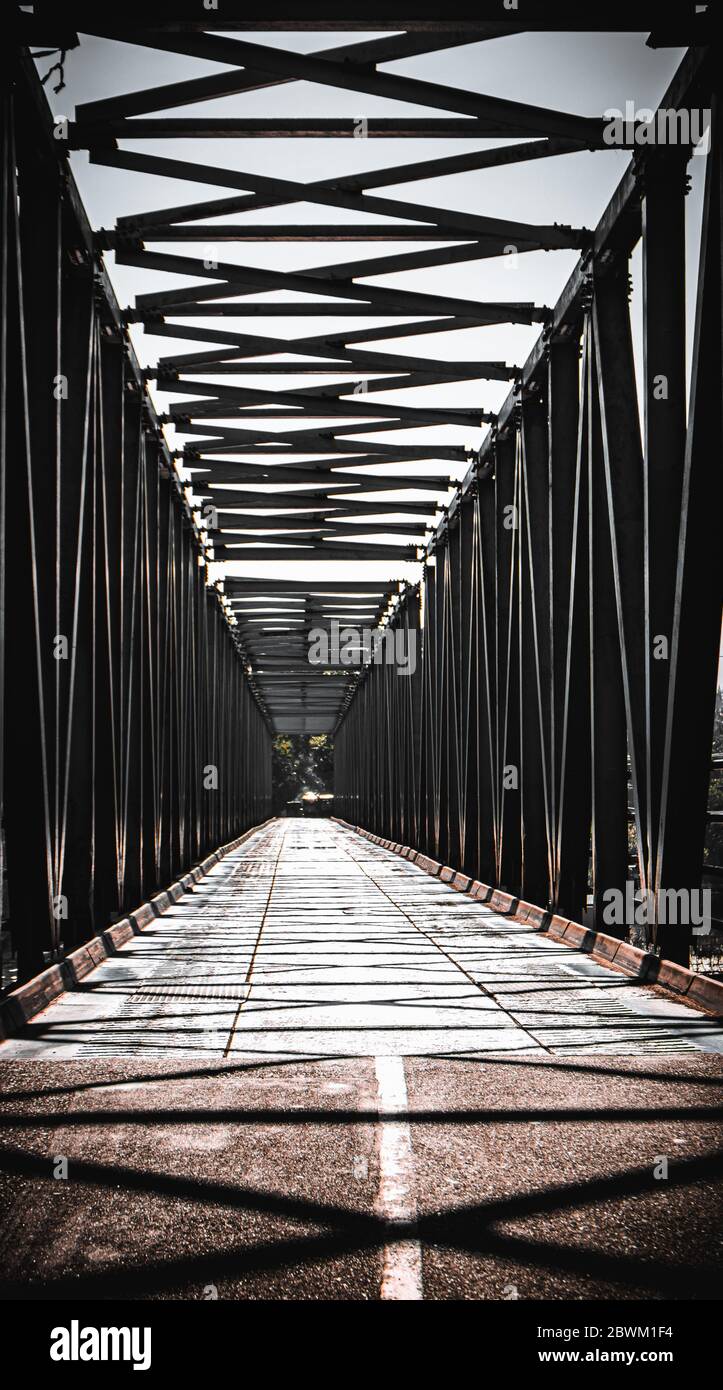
585, 73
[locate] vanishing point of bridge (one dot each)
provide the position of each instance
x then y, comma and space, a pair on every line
406, 1051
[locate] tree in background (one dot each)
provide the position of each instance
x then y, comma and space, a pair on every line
301, 763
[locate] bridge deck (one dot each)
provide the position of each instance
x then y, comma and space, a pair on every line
414, 1099
309, 941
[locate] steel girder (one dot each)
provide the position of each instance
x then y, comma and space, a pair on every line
133, 744
565, 748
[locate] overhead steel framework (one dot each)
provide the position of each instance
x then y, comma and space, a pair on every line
541, 737
330, 495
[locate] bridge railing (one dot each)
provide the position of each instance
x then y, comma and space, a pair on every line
571, 600
132, 743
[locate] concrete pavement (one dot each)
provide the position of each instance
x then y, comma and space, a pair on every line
309, 941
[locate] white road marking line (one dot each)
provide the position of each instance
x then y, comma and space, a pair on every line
396, 1202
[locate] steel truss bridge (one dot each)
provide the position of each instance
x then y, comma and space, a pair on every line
539, 739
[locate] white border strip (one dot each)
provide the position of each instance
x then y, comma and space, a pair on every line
396, 1202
